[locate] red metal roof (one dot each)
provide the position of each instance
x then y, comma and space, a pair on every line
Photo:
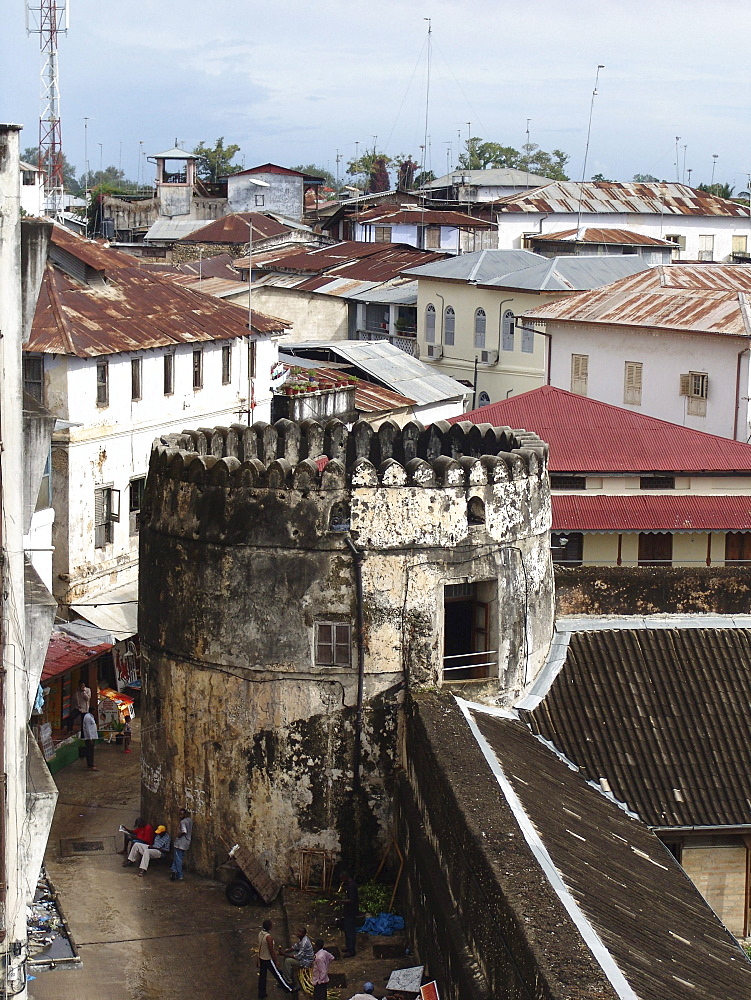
65, 652
586, 435
128, 308
351, 259
651, 512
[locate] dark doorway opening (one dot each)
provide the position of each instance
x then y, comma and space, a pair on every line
466, 632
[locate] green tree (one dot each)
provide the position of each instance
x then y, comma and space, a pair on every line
315, 171
111, 176
364, 168
718, 190
379, 175
600, 179
30, 155
216, 161
479, 155
645, 179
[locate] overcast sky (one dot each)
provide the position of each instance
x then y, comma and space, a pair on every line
293, 81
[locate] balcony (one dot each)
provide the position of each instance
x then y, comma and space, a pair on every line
406, 340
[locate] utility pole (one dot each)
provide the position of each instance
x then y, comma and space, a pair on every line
49, 19
677, 160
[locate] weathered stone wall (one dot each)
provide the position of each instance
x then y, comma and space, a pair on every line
243, 551
649, 590
484, 919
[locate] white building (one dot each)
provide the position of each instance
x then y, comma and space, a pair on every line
702, 226
32, 189
28, 792
270, 188
123, 354
673, 342
424, 228
480, 186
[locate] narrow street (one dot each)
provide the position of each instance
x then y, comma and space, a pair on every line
138, 938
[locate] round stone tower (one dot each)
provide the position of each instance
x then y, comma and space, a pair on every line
295, 579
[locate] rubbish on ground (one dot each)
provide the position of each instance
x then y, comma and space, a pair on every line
406, 980
49, 937
384, 925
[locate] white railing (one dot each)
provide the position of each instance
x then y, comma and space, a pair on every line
472, 665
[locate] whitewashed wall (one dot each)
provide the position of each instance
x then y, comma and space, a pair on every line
665, 357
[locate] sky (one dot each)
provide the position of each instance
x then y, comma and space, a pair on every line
294, 82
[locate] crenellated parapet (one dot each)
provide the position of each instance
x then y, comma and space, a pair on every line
310, 455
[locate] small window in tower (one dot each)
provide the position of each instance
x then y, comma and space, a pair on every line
333, 642
339, 518
475, 511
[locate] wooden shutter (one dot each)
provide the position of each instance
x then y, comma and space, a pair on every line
632, 384
579, 373
341, 645
685, 385
324, 643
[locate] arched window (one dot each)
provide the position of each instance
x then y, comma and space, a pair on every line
449, 325
339, 517
508, 331
430, 323
480, 322
475, 511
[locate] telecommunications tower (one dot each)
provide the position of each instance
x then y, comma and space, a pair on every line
48, 19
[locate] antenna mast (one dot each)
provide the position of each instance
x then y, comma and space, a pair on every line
48, 19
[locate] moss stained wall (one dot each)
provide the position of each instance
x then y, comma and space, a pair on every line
239, 562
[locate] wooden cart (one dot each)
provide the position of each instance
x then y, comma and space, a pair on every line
252, 880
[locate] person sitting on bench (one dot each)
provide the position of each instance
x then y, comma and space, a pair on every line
159, 849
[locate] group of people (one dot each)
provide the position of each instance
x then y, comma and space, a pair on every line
304, 955
307, 955
144, 844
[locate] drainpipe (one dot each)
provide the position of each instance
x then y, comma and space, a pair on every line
501, 304
738, 393
357, 557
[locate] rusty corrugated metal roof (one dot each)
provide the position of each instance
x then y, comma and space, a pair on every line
587, 436
235, 228
407, 216
658, 198
696, 298
651, 512
593, 234
128, 308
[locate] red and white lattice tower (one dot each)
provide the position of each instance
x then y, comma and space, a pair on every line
48, 19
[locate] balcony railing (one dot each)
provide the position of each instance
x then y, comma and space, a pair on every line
404, 341
468, 666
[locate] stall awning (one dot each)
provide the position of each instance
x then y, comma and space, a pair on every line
115, 611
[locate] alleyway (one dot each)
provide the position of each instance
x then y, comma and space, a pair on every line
138, 938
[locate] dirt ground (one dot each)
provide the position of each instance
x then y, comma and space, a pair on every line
153, 939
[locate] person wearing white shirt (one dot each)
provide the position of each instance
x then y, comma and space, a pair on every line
90, 735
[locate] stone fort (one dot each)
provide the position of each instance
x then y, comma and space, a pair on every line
298, 580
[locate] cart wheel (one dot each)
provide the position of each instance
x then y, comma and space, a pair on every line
239, 893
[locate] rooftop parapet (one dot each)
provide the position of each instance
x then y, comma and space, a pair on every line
311, 455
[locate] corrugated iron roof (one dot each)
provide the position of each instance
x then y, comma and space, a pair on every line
66, 651
171, 229
663, 715
369, 398
696, 298
375, 262
403, 293
129, 308
384, 363
395, 215
648, 918
651, 512
481, 266
658, 198
586, 435
592, 234
235, 229
493, 177
571, 274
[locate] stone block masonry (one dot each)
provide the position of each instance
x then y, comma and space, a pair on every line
255, 659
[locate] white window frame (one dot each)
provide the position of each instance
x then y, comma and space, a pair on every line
430, 323
340, 641
102, 383
226, 364
449, 328
197, 369
481, 325
136, 379
508, 331
106, 514
169, 373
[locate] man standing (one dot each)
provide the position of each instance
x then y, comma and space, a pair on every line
350, 910
300, 957
90, 735
159, 849
81, 702
320, 976
266, 957
182, 843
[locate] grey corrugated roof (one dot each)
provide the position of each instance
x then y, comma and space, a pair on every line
480, 265
500, 177
567, 274
402, 295
173, 229
391, 367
